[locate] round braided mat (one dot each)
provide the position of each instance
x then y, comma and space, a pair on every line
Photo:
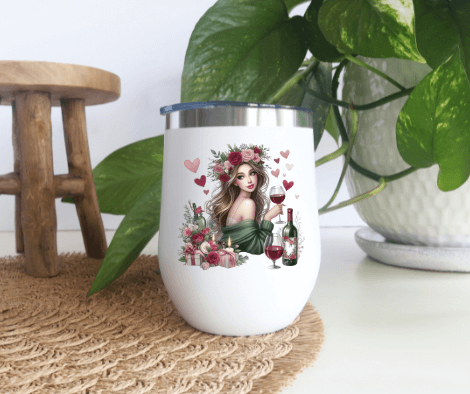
129, 338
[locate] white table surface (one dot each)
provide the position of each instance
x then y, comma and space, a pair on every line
388, 330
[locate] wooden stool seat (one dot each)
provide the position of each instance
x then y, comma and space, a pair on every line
32, 88
60, 80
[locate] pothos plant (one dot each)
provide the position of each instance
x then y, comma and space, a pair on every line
253, 51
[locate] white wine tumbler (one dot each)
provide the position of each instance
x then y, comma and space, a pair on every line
218, 217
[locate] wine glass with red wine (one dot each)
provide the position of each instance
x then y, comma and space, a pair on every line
277, 196
273, 249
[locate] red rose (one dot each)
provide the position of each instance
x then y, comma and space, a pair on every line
213, 258
257, 150
197, 238
224, 177
235, 158
206, 230
199, 210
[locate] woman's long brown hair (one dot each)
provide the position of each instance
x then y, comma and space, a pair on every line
226, 193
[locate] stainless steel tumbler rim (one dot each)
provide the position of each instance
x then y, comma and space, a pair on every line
232, 113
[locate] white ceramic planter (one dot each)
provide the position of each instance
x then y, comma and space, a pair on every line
411, 210
246, 299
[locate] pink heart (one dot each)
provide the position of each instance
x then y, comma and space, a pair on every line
277, 160
192, 166
201, 181
206, 191
297, 196
289, 166
275, 173
287, 185
285, 154
284, 175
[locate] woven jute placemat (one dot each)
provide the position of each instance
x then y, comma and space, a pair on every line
129, 338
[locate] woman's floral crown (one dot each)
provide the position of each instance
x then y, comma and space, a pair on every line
222, 164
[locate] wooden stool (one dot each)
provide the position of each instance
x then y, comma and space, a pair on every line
31, 88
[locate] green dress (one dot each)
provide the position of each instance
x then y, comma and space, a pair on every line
248, 235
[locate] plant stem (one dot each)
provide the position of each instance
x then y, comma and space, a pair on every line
357, 107
332, 156
382, 184
346, 161
374, 70
305, 63
291, 82
361, 170
344, 136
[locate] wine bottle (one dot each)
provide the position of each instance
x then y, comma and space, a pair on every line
289, 241
199, 220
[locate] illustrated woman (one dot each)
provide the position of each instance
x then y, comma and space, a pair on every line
237, 205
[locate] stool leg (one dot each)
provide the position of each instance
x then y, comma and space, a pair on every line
78, 156
17, 166
38, 214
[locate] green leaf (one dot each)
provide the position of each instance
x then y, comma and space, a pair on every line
213, 152
242, 50
441, 25
372, 28
434, 124
317, 44
134, 233
123, 176
320, 81
332, 127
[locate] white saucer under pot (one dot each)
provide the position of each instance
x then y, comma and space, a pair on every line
411, 256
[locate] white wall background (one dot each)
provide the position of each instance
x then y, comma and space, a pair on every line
144, 43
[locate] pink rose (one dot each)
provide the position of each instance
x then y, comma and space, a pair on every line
235, 158
187, 232
189, 248
206, 230
227, 165
199, 210
205, 265
218, 168
248, 154
213, 258
224, 177
256, 158
257, 150
197, 238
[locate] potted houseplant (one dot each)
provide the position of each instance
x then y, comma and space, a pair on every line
252, 51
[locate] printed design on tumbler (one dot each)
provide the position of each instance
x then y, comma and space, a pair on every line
200, 248
293, 244
239, 215
239, 199
290, 248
